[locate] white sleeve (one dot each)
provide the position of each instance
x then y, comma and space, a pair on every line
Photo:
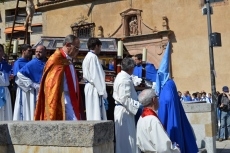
98, 77
161, 140
124, 97
23, 82
4, 79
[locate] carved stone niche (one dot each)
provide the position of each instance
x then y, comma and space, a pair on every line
154, 40
131, 21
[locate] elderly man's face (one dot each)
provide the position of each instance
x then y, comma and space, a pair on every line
73, 48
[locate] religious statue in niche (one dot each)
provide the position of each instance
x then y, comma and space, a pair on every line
30, 9
165, 23
133, 26
100, 32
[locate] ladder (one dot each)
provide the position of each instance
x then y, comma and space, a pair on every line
16, 22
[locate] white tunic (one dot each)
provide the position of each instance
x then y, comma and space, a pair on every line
6, 110
127, 105
152, 138
95, 88
26, 97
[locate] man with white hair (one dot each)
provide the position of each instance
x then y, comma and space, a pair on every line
126, 107
151, 136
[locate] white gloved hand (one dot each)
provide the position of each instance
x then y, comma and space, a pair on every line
105, 95
154, 85
136, 80
36, 86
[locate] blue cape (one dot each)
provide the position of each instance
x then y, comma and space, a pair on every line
172, 115
33, 70
5, 67
18, 65
151, 72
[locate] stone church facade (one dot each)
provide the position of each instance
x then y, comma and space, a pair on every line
151, 24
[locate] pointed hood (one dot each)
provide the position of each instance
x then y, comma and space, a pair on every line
163, 71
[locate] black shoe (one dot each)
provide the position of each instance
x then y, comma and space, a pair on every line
220, 140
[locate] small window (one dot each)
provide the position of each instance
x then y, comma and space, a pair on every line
83, 45
37, 29
46, 43
107, 45
58, 44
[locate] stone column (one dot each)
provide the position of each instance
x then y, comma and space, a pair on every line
202, 118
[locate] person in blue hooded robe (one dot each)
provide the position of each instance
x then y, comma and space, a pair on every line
171, 112
5, 99
28, 81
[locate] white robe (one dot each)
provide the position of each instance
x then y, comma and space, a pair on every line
127, 106
6, 110
26, 97
95, 89
152, 138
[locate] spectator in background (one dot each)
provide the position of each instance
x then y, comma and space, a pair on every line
198, 96
187, 96
180, 95
209, 97
224, 106
194, 97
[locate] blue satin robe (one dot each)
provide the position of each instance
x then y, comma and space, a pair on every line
172, 115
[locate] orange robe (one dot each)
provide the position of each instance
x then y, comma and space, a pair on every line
50, 104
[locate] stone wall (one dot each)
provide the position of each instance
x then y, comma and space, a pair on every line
202, 118
57, 137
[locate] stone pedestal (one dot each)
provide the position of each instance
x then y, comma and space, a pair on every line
202, 118
57, 137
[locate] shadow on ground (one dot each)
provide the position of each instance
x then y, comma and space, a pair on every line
222, 150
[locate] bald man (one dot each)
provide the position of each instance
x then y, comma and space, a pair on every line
29, 78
